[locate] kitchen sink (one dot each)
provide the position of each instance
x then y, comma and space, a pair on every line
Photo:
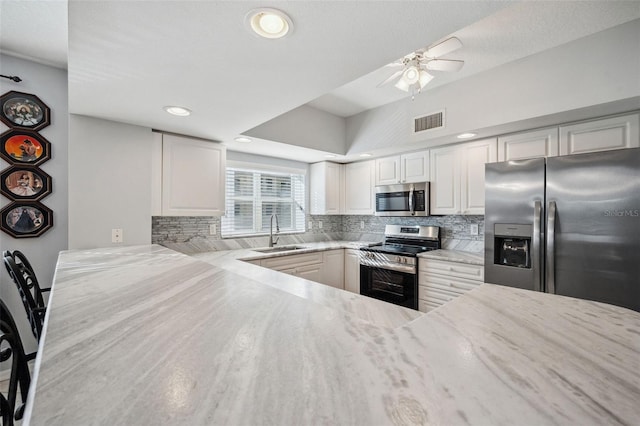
279, 249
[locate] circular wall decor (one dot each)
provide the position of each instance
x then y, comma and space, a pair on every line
24, 183
24, 147
24, 111
25, 219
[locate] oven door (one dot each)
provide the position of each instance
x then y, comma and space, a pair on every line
400, 288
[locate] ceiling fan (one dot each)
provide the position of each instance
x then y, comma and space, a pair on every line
413, 75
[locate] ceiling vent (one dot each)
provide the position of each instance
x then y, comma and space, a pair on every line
428, 122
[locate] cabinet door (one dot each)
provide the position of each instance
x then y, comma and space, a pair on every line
359, 186
475, 156
387, 170
325, 183
333, 268
535, 144
192, 177
445, 181
600, 135
310, 272
352, 270
414, 167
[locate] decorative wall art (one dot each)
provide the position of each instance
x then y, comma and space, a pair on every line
24, 183
24, 147
26, 219
24, 111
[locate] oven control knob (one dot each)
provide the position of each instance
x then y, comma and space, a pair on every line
398, 259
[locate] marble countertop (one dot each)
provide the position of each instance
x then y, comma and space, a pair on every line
145, 335
455, 256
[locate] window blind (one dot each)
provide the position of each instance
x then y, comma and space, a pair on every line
252, 196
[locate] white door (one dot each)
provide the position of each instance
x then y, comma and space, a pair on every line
193, 176
445, 181
476, 155
600, 135
415, 167
333, 268
387, 170
534, 144
352, 270
359, 186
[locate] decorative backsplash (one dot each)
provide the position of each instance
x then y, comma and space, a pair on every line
191, 234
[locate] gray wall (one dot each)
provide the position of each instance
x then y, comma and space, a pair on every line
110, 182
50, 85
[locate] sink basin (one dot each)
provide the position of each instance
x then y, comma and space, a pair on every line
279, 249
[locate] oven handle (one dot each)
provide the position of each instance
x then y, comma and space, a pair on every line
408, 269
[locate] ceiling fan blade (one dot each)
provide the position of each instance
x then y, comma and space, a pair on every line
444, 65
440, 49
391, 77
394, 64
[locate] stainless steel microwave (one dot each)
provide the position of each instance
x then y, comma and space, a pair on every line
410, 199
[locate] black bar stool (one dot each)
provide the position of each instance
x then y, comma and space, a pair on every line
11, 349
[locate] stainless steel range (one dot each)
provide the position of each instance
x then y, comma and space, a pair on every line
389, 270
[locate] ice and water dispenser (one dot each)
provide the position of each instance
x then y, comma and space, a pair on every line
513, 245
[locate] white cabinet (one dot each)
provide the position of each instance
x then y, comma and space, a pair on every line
292, 261
359, 188
309, 272
352, 270
532, 144
325, 188
442, 281
457, 177
406, 168
333, 268
192, 177
600, 135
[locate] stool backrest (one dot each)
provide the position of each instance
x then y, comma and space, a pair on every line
11, 349
21, 278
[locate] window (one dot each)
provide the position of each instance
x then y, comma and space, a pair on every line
252, 196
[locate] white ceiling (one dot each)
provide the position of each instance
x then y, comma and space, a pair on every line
128, 59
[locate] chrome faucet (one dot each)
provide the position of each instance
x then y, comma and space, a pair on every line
271, 241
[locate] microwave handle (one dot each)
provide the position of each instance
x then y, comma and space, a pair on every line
411, 201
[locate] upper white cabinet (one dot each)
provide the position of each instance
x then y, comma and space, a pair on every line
191, 177
457, 177
359, 197
406, 168
532, 144
325, 188
600, 135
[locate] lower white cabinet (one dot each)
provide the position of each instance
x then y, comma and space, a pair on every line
333, 268
325, 267
442, 281
352, 270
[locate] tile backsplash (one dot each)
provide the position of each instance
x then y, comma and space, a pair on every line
191, 234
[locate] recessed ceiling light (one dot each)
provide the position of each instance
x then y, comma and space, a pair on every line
176, 110
466, 135
269, 23
330, 156
365, 155
242, 139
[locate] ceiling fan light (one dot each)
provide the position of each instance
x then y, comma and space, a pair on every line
425, 78
402, 85
411, 75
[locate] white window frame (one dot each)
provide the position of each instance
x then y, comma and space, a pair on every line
257, 206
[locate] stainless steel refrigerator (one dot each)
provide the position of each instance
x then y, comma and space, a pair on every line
567, 225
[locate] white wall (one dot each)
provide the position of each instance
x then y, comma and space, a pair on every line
50, 85
598, 69
109, 182
305, 126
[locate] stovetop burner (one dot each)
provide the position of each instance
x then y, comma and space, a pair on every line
407, 240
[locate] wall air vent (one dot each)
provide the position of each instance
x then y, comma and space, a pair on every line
428, 122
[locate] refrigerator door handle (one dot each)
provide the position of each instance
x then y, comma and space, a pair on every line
551, 235
537, 252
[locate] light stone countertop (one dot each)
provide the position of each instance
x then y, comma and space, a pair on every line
144, 335
455, 256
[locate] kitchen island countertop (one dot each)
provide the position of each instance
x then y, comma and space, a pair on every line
146, 335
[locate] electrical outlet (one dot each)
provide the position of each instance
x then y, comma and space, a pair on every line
362, 224
213, 229
473, 229
319, 224
310, 225
116, 235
